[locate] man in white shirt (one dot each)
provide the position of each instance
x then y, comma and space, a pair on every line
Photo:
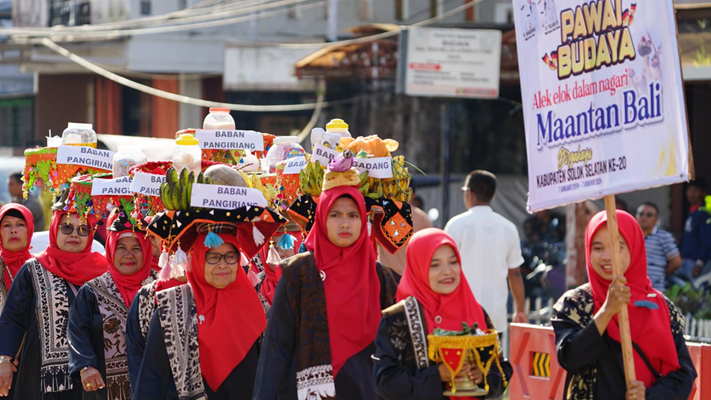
490, 249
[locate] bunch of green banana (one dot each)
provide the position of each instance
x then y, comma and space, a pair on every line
176, 191
364, 183
398, 187
375, 188
311, 179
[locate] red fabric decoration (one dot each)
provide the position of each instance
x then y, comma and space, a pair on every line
651, 329
128, 285
271, 279
15, 259
154, 260
76, 268
170, 283
233, 317
454, 308
351, 281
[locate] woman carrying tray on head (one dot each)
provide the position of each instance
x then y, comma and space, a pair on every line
433, 293
203, 338
326, 307
37, 310
140, 312
97, 319
588, 333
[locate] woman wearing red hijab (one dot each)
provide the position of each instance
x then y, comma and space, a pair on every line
588, 333
97, 319
16, 229
433, 293
326, 309
37, 310
203, 337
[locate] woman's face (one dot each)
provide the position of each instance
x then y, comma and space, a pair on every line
76, 240
13, 232
445, 271
601, 253
221, 264
128, 257
343, 223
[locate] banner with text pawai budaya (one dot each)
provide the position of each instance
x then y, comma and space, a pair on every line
602, 95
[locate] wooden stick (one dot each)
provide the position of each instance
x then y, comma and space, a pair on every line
623, 317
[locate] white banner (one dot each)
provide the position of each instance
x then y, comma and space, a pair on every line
294, 165
86, 156
448, 62
147, 184
225, 197
230, 140
602, 98
381, 167
323, 155
111, 187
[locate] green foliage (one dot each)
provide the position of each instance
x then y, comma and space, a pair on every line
691, 300
466, 330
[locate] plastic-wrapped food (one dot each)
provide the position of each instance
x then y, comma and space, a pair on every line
331, 137
125, 158
284, 148
78, 134
219, 119
187, 154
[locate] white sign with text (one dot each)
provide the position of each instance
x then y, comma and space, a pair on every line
147, 184
323, 155
225, 197
86, 156
111, 187
380, 168
229, 140
294, 165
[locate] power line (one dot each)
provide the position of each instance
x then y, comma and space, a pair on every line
211, 19
236, 107
370, 38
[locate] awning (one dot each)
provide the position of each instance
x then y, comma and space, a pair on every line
378, 59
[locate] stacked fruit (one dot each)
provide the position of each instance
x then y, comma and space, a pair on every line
176, 191
311, 179
398, 187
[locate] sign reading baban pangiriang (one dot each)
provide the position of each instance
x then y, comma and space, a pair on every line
602, 95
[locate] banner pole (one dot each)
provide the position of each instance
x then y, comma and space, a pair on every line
623, 316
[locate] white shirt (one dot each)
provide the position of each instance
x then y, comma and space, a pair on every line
489, 246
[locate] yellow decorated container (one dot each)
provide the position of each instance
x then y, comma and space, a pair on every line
455, 351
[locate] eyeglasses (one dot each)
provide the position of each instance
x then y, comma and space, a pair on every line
648, 215
67, 229
465, 189
214, 258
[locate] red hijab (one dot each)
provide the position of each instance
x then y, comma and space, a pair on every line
651, 329
15, 259
154, 260
233, 317
128, 285
351, 281
76, 268
454, 308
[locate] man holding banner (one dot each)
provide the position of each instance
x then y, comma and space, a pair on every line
595, 87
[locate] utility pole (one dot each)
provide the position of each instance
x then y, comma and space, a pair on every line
332, 20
